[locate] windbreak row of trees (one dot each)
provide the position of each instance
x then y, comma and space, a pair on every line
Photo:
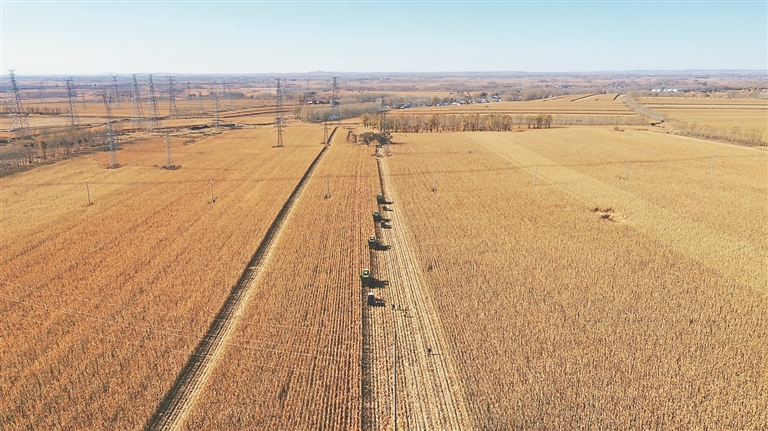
44, 147
320, 113
488, 122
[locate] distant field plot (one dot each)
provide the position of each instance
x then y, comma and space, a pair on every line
595, 104
723, 114
607, 294
103, 304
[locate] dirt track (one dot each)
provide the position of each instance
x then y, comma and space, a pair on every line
429, 393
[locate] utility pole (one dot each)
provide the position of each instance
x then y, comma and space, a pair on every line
325, 133
279, 115
137, 113
173, 112
153, 116
18, 124
117, 92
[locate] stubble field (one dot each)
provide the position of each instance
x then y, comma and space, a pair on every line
569, 278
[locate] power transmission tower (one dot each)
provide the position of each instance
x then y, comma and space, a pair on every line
117, 92
173, 112
383, 131
279, 115
111, 139
137, 114
168, 159
216, 122
227, 91
18, 124
153, 116
73, 119
42, 92
200, 108
335, 112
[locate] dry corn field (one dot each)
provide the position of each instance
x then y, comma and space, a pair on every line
747, 115
592, 300
102, 304
568, 278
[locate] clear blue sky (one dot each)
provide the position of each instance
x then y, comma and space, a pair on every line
69, 37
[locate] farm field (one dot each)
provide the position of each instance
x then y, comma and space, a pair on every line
102, 305
296, 359
726, 114
595, 104
554, 278
590, 298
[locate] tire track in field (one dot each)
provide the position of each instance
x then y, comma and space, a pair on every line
430, 394
173, 409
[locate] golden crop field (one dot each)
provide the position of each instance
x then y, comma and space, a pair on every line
724, 114
295, 359
103, 304
564, 278
594, 104
593, 299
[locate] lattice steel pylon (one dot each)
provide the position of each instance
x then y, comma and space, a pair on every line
216, 121
117, 91
42, 92
137, 113
200, 108
73, 120
279, 118
153, 115
168, 158
383, 131
18, 124
173, 112
111, 139
226, 90
335, 111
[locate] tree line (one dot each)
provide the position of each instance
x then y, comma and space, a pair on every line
405, 123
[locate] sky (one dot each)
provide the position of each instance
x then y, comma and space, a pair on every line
239, 37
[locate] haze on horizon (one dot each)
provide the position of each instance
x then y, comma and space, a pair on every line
88, 38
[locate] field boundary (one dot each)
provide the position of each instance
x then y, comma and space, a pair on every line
172, 410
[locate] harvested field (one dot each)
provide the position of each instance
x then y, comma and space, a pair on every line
723, 114
560, 317
593, 104
296, 361
103, 304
